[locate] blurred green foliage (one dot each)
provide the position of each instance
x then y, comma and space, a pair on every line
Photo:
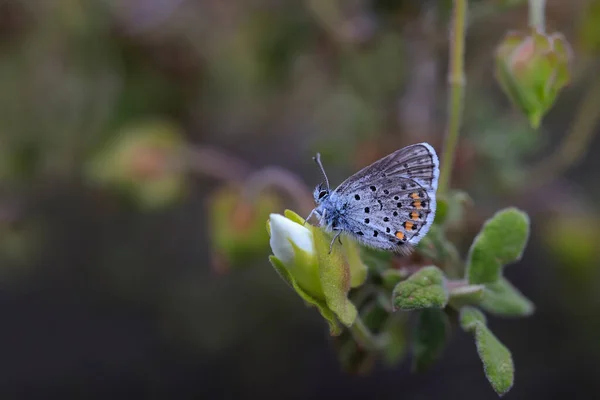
144, 162
238, 226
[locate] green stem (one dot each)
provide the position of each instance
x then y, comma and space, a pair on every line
456, 84
536, 14
365, 338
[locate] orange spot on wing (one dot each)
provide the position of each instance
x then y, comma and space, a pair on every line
400, 235
417, 204
414, 216
414, 195
408, 225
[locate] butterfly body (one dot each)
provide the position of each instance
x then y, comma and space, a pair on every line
388, 205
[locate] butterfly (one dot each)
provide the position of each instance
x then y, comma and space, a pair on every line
388, 205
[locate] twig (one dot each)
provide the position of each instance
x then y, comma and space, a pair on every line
282, 179
216, 164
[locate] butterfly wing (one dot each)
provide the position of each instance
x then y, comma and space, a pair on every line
418, 161
391, 203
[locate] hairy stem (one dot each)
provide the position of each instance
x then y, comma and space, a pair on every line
456, 85
536, 14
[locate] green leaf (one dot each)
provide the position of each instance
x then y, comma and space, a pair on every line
470, 317
496, 358
305, 272
424, 289
334, 327
358, 270
502, 298
334, 274
430, 338
501, 241
333, 277
466, 295
294, 217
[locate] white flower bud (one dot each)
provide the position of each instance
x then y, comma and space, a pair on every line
284, 230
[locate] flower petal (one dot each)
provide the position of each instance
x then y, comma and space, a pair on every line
284, 231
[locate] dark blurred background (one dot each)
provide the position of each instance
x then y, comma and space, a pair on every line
161, 286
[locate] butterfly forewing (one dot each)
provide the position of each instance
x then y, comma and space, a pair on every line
417, 161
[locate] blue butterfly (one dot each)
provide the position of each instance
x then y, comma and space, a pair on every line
388, 205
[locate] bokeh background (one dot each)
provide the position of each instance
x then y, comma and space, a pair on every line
126, 271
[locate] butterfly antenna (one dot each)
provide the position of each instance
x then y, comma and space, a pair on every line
318, 161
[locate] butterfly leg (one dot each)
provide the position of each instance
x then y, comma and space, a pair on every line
309, 215
337, 236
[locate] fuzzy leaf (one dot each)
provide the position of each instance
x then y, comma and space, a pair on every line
358, 270
305, 272
502, 298
424, 289
501, 241
496, 358
334, 327
334, 274
466, 295
469, 317
430, 337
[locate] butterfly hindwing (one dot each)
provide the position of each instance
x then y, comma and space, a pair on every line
392, 217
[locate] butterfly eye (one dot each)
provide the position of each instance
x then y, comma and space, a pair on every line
322, 194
